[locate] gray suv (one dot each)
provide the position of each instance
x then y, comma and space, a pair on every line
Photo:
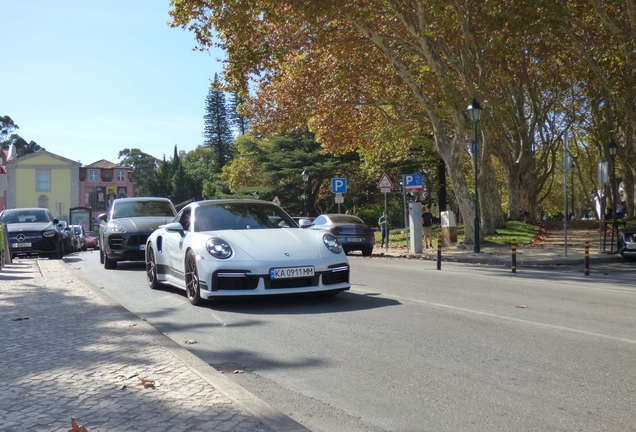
123, 231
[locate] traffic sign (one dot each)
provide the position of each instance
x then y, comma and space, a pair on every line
385, 182
338, 185
339, 198
413, 182
276, 201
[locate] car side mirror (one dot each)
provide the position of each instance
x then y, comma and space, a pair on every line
174, 226
103, 217
302, 223
56, 221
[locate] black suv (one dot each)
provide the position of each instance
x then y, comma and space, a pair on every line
125, 228
33, 231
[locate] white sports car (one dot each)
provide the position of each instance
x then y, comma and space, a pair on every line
237, 247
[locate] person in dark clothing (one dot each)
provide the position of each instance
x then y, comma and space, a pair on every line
427, 226
384, 223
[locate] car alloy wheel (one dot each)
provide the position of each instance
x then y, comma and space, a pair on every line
193, 289
151, 269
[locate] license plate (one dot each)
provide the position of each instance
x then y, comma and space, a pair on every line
354, 239
20, 245
142, 247
291, 272
630, 245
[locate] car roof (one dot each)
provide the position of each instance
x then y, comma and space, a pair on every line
138, 199
25, 209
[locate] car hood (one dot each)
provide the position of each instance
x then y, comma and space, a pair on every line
143, 223
280, 243
31, 226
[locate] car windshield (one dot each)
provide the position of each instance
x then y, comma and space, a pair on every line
90, 234
24, 216
237, 216
143, 209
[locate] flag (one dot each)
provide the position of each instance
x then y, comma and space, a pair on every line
11, 154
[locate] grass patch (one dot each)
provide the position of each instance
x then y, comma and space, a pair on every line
521, 231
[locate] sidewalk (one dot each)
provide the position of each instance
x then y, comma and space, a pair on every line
491, 254
69, 351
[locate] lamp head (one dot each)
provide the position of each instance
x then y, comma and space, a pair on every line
257, 195
474, 111
304, 175
612, 147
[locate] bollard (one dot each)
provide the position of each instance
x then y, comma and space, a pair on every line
514, 255
587, 258
439, 252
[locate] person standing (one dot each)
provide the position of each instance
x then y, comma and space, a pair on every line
427, 226
384, 222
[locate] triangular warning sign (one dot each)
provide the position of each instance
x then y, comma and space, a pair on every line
384, 182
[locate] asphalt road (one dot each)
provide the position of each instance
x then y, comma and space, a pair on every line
411, 348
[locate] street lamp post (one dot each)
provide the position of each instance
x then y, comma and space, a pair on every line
612, 147
474, 111
305, 178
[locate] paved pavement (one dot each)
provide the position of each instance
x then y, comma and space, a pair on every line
68, 351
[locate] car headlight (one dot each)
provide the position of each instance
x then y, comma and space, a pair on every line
115, 227
48, 233
332, 243
218, 248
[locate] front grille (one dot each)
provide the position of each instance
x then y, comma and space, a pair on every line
133, 241
233, 280
338, 274
291, 283
30, 237
136, 240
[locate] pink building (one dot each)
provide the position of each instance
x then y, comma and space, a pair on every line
101, 182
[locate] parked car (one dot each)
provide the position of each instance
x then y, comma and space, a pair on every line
351, 231
33, 231
68, 237
242, 247
92, 241
80, 237
627, 242
125, 228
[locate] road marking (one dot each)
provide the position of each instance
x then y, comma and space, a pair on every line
504, 317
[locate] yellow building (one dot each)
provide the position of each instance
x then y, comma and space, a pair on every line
43, 179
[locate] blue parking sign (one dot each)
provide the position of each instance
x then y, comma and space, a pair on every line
338, 185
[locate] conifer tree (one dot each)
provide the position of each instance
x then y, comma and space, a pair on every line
237, 120
217, 132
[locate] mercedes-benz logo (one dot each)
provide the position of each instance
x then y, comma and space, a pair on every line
286, 253
20, 238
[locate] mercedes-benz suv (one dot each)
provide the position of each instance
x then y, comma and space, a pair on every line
33, 231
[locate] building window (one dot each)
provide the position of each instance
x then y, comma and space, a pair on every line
121, 175
43, 201
42, 180
93, 175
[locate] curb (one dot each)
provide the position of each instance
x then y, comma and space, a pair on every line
273, 418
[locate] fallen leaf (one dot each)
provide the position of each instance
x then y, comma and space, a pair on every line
191, 341
133, 375
522, 306
132, 325
123, 387
237, 372
147, 383
75, 427
20, 318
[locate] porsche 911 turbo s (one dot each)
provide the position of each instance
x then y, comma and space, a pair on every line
241, 247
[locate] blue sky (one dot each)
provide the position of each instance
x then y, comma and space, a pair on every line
86, 79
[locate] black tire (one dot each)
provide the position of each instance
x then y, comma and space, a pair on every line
101, 256
151, 269
59, 252
193, 287
109, 264
367, 251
